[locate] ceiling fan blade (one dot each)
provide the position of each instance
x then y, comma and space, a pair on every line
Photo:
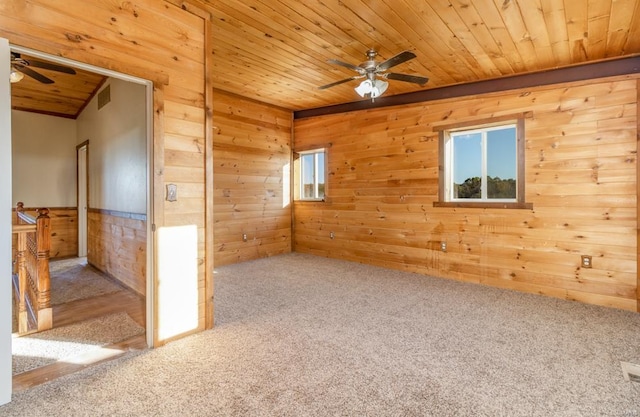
31, 73
346, 65
395, 60
407, 78
50, 66
355, 77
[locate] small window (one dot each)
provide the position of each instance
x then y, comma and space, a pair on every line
482, 165
310, 175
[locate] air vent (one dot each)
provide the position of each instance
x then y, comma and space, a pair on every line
631, 371
104, 97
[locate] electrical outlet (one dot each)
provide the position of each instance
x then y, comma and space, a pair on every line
331, 235
586, 261
244, 237
443, 246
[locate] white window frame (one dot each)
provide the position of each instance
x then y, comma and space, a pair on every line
450, 163
316, 174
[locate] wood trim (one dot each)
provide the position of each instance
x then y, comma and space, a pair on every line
209, 186
292, 183
311, 147
456, 204
520, 157
520, 161
46, 113
80, 145
580, 72
116, 213
158, 201
637, 197
441, 171
487, 121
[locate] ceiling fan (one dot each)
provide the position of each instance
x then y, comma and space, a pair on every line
371, 70
21, 67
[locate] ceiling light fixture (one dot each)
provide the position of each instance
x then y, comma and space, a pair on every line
15, 76
374, 88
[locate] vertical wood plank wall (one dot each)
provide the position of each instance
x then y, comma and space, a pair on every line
64, 231
252, 148
150, 39
117, 245
581, 161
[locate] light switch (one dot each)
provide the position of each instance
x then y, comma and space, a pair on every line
172, 192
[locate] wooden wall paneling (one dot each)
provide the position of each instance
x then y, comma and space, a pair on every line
251, 157
637, 194
117, 246
64, 231
581, 178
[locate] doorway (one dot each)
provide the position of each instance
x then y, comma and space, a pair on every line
82, 159
82, 151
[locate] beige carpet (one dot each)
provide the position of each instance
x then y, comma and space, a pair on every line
73, 279
299, 335
65, 343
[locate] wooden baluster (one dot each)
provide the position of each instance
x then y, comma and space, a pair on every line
43, 239
23, 319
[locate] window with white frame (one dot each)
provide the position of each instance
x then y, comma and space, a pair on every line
482, 165
311, 175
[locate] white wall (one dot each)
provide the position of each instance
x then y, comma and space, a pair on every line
117, 148
5, 226
44, 160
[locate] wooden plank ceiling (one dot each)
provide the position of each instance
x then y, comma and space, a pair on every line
65, 97
276, 51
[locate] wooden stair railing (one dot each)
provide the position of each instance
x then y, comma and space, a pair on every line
31, 280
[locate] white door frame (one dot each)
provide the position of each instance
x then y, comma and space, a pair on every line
150, 324
6, 291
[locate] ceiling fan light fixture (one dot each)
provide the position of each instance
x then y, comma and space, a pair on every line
364, 88
15, 75
379, 87
374, 88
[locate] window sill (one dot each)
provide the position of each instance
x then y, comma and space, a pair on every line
459, 204
310, 200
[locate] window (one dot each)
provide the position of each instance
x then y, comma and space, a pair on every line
310, 175
482, 164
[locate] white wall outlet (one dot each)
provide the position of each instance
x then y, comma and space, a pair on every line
443, 246
244, 237
331, 235
586, 261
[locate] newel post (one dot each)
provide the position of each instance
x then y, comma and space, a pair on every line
43, 239
19, 209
